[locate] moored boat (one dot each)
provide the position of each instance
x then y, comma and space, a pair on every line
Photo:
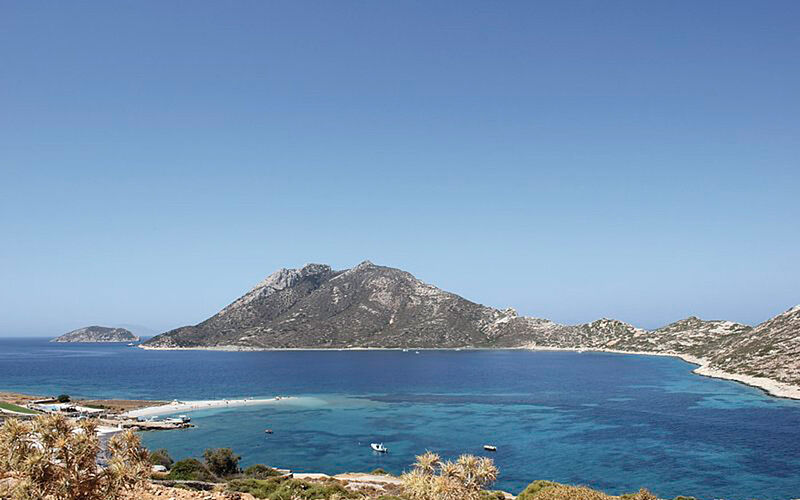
379, 447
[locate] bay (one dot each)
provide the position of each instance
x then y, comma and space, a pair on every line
611, 421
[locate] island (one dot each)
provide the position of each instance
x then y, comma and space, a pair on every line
97, 334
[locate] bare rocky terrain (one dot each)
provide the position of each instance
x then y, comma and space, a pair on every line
372, 306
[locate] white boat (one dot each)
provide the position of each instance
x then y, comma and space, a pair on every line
379, 447
405, 350
489, 447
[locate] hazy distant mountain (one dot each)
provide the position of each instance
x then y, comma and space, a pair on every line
376, 306
97, 334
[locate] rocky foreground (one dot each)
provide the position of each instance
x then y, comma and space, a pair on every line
372, 306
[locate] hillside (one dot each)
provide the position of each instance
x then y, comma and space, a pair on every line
97, 334
382, 307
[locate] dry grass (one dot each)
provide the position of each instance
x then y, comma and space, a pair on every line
52, 458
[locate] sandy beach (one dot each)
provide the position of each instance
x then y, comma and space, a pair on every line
187, 406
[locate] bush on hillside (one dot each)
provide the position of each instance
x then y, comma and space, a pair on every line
63, 398
161, 457
260, 471
535, 487
53, 457
190, 469
547, 490
434, 479
281, 488
222, 461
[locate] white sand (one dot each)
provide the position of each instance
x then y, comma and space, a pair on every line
187, 406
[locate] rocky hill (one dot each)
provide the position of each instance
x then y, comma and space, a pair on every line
366, 306
376, 306
97, 334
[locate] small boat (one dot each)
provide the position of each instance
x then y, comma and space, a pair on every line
489, 447
268, 431
131, 344
405, 350
379, 447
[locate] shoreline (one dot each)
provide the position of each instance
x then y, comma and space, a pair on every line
189, 406
771, 387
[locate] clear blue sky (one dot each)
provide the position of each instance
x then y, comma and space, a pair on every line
578, 159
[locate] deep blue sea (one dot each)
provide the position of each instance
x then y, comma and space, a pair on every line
610, 421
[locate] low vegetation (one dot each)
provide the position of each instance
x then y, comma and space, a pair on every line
294, 489
161, 457
190, 469
260, 471
431, 478
52, 458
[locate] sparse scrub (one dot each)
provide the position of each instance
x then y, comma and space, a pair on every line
260, 471
291, 489
53, 458
161, 457
190, 469
222, 461
434, 479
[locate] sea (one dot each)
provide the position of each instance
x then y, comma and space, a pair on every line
614, 422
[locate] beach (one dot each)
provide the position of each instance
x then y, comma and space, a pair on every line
186, 406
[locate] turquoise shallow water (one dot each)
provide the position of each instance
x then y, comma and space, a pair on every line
615, 422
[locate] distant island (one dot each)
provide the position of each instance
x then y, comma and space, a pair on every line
372, 306
97, 334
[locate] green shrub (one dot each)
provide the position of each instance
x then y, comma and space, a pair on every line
190, 469
285, 489
492, 495
260, 471
534, 488
161, 457
380, 472
63, 398
222, 461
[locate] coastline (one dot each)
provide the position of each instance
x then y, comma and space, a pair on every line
188, 406
770, 387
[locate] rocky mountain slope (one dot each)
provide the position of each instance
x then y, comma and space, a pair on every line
376, 306
97, 334
366, 306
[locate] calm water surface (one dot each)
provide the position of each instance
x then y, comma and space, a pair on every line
615, 422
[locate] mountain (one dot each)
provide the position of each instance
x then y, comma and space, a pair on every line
97, 334
366, 306
377, 306
770, 350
